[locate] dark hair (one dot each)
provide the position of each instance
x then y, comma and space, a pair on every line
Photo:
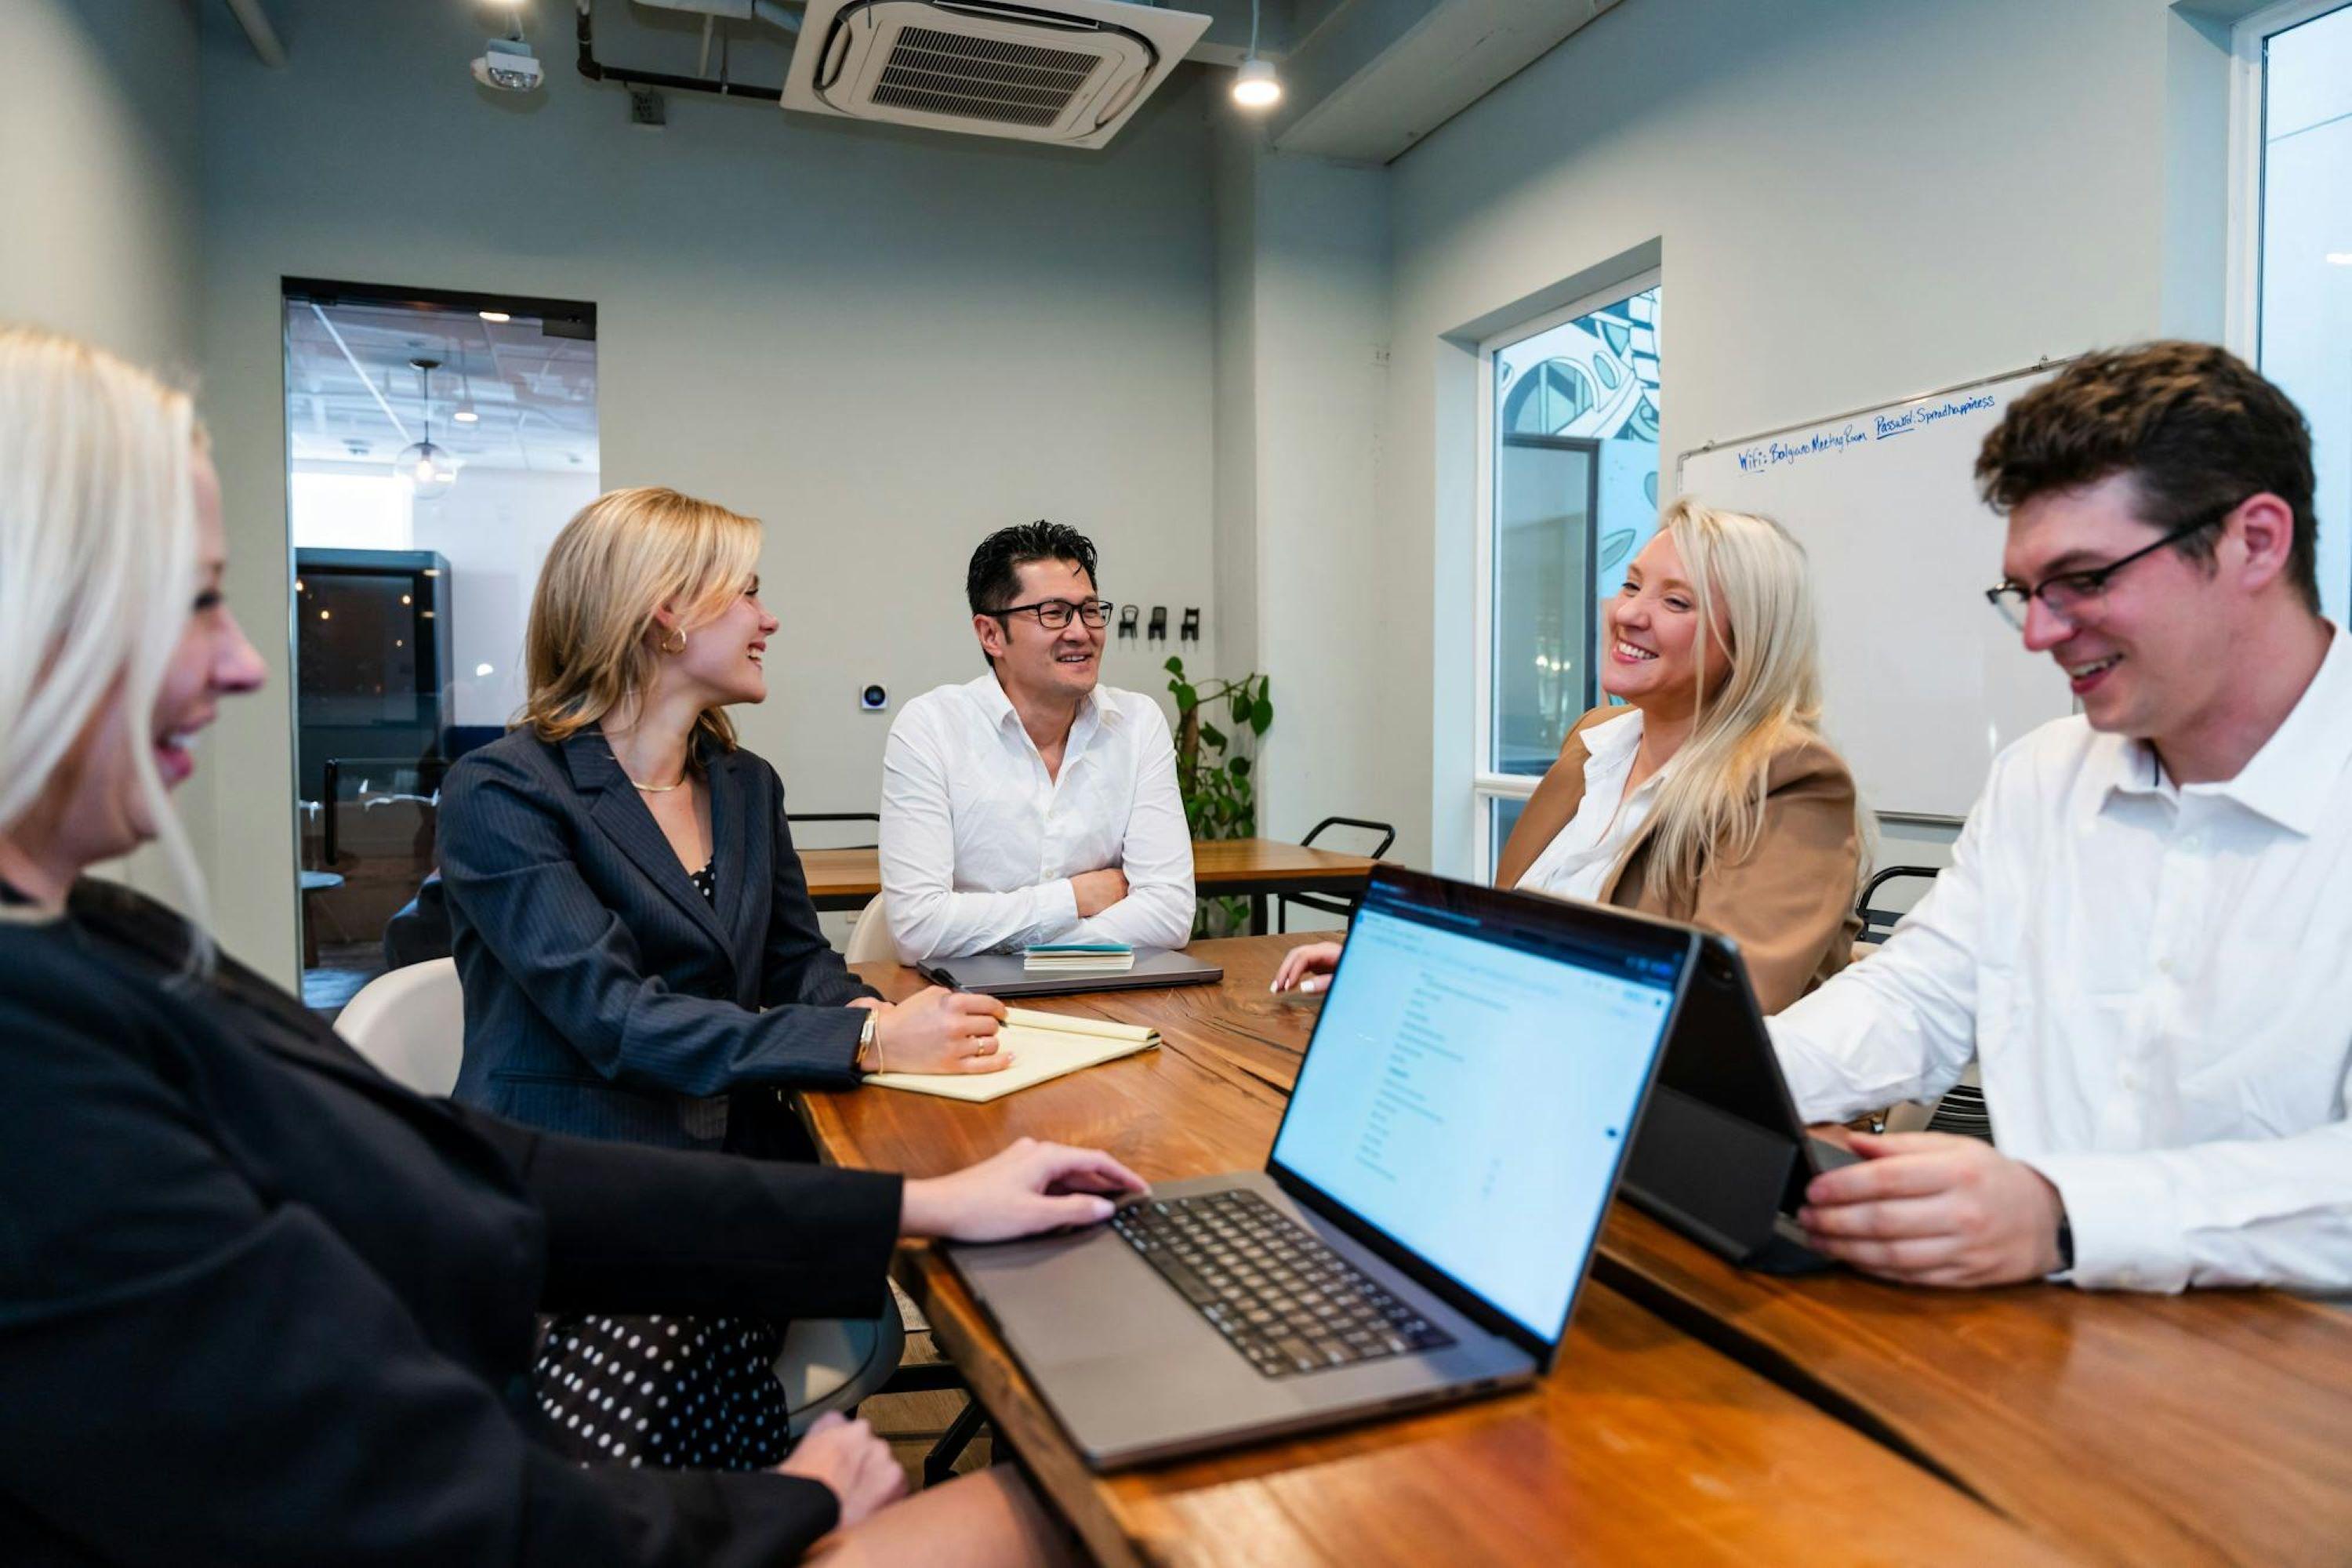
994, 576
2194, 426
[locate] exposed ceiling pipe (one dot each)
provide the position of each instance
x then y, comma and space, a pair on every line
596, 70
360, 370
258, 32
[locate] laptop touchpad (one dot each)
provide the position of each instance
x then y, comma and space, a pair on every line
1077, 1298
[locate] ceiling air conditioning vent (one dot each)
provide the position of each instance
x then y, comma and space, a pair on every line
1068, 71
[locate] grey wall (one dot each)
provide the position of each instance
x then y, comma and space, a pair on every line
884, 344
1851, 201
98, 162
97, 156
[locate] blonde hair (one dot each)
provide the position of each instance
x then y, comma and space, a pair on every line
98, 568
624, 556
1710, 805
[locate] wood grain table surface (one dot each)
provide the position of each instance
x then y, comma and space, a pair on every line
2214, 1427
1647, 1445
846, 878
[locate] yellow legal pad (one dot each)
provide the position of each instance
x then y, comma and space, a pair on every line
1045, 1046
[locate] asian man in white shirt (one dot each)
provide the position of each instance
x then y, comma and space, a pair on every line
2144, 939
1033, 805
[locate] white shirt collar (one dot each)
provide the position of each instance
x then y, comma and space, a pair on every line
1612, 740
2292, 779
989, 692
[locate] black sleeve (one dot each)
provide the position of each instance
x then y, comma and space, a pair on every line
508, 864
635, 1229
196, 1371
800, 965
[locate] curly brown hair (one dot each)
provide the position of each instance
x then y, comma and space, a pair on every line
2197, 428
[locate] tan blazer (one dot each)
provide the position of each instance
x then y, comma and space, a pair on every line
1788, 905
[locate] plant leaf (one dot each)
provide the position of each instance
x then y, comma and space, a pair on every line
1174, 665
1186, 697
1240, 766
1261, 715
1213, 735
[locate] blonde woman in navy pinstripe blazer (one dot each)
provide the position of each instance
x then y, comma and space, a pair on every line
640, 958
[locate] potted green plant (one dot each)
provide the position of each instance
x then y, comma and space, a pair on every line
1214, 771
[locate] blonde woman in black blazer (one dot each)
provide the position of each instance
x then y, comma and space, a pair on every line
260, 1305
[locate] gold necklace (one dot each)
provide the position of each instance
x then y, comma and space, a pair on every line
657, 789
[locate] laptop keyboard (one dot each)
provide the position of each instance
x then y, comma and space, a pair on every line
1279, 1295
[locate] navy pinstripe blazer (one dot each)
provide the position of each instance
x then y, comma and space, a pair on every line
604, 995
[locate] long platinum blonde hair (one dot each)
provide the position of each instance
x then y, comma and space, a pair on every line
1710, 806
621, 558
98, 567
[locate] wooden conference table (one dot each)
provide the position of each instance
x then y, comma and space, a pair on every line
1222, 868
1698, 1413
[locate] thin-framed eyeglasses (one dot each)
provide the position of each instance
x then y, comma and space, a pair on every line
1054, 614
2064, 594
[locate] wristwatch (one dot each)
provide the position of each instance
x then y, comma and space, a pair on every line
867, 1040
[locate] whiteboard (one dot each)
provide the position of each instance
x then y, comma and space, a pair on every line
1922, 680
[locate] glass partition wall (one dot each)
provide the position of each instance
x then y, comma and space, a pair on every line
436, 442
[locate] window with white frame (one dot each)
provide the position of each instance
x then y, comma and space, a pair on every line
2291, 296
1567, 494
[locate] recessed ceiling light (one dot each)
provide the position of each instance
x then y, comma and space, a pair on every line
496, 316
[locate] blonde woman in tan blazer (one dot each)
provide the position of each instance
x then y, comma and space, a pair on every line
1709, 797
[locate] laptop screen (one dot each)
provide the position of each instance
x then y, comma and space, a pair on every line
1473, 1080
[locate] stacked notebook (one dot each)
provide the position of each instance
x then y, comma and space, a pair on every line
1092, 957
1043, 1045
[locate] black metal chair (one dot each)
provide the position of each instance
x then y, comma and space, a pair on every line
1876, 924
873, 816
1962, 1109
1325, 902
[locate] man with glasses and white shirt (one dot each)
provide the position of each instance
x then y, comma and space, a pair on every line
1033, 805
2145, 938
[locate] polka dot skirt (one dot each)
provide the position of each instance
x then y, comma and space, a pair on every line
673, 1392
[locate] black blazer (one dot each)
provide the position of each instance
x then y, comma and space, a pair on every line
260, 1305
604, 993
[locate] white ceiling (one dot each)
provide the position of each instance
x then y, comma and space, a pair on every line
536, 396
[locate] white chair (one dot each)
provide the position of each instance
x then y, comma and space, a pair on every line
869, 935
411, 1025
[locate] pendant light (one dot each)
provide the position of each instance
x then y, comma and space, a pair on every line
1255, 84
426, 469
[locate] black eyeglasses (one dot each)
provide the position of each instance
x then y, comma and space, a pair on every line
1054, 614
2065, 594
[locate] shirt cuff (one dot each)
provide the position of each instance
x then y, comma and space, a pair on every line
1057, 911
2127, 1237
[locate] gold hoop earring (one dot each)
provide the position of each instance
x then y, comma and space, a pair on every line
680, 633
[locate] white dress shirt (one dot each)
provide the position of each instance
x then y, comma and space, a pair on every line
979, 843
2156, 982
1577, 862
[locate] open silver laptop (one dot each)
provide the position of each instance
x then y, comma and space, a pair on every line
1426, 1215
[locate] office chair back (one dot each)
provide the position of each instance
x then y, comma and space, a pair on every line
1878, 924
870, 936
1325, 902
795, 818
410, 1023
